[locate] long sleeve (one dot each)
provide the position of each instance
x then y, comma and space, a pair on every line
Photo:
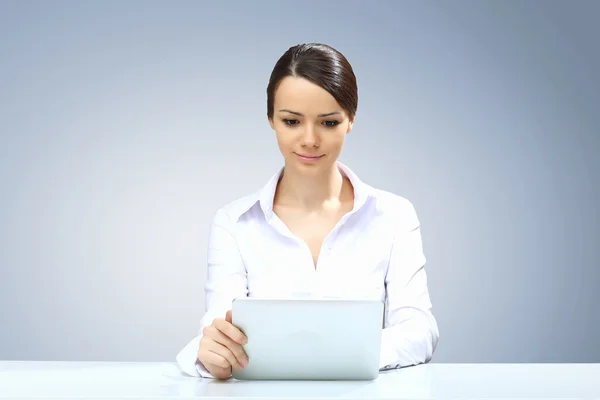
410, 333
226, 279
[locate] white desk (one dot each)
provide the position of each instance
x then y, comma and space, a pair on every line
120, 380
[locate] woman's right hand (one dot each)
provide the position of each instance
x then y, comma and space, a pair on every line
221, 348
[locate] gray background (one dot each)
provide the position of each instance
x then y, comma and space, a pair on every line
125, 125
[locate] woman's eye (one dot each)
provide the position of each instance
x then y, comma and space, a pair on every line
331, 124
290, 121
328, 124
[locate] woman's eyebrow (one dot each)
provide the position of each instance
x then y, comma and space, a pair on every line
301, 115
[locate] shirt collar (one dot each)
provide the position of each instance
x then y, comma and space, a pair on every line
265, 197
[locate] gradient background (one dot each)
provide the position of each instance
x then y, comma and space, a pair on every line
125, 125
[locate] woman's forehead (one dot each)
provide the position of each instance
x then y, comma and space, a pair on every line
302, 96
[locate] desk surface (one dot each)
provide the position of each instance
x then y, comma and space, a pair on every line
131, 380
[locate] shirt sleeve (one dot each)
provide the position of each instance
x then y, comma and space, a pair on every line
226, 279
410, 332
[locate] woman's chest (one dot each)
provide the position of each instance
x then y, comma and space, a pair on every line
352, 262
312, 229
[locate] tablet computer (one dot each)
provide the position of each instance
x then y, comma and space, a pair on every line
309, 339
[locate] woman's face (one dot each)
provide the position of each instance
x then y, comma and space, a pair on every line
309, 123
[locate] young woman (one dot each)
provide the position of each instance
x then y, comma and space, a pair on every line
315, 230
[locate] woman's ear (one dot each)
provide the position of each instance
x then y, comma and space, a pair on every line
271, 123
350, 125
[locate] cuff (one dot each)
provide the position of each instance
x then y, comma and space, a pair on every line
387, 358
188, 362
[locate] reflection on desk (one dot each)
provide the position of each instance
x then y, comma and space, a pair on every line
131, 380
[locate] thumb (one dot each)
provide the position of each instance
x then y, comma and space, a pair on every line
228, 316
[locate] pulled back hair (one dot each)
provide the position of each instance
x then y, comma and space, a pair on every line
322, 65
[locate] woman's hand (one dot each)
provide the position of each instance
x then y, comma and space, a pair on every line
221, 349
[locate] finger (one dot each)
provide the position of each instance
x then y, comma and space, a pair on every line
224, 352
230, 330
220, 373
235, 348
229, 318
217, 365
212, 334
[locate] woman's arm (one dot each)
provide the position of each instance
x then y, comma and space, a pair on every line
410, 333
225, 280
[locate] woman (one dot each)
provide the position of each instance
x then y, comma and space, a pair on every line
315, 229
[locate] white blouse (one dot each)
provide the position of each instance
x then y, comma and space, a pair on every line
374, 252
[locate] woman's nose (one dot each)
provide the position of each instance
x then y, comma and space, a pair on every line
310, 138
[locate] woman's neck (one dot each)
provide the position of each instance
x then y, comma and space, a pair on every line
313, 192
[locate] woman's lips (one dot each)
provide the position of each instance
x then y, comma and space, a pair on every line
309, 158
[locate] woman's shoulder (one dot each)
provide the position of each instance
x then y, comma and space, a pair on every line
394, 206
389, 204
234, 209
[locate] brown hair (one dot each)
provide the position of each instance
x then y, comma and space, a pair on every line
322, 65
